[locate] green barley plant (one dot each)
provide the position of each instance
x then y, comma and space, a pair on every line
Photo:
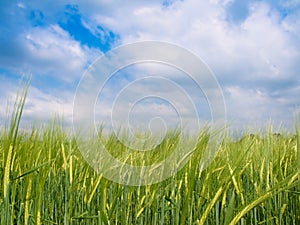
45, 180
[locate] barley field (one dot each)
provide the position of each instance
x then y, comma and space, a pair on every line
45, 180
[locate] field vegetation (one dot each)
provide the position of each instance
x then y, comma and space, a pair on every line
45, 180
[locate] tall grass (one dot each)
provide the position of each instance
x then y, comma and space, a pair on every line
45, 180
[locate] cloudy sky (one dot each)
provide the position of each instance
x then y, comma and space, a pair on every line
252, 48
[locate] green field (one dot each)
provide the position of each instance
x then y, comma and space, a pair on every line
45, 180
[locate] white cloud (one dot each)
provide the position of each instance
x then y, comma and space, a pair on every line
53, 52
250, 59
260, 49
256, 61
254, 107
40, 107
21, 5
289, 3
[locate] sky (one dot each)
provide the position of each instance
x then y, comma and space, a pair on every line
251, 47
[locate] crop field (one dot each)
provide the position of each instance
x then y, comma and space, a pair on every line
45, 180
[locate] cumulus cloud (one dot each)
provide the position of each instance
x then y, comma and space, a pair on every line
40, 107
260, 47
49, 51
255, 60
257, 108
53, 52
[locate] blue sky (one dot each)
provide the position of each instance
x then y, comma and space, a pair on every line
253, 48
